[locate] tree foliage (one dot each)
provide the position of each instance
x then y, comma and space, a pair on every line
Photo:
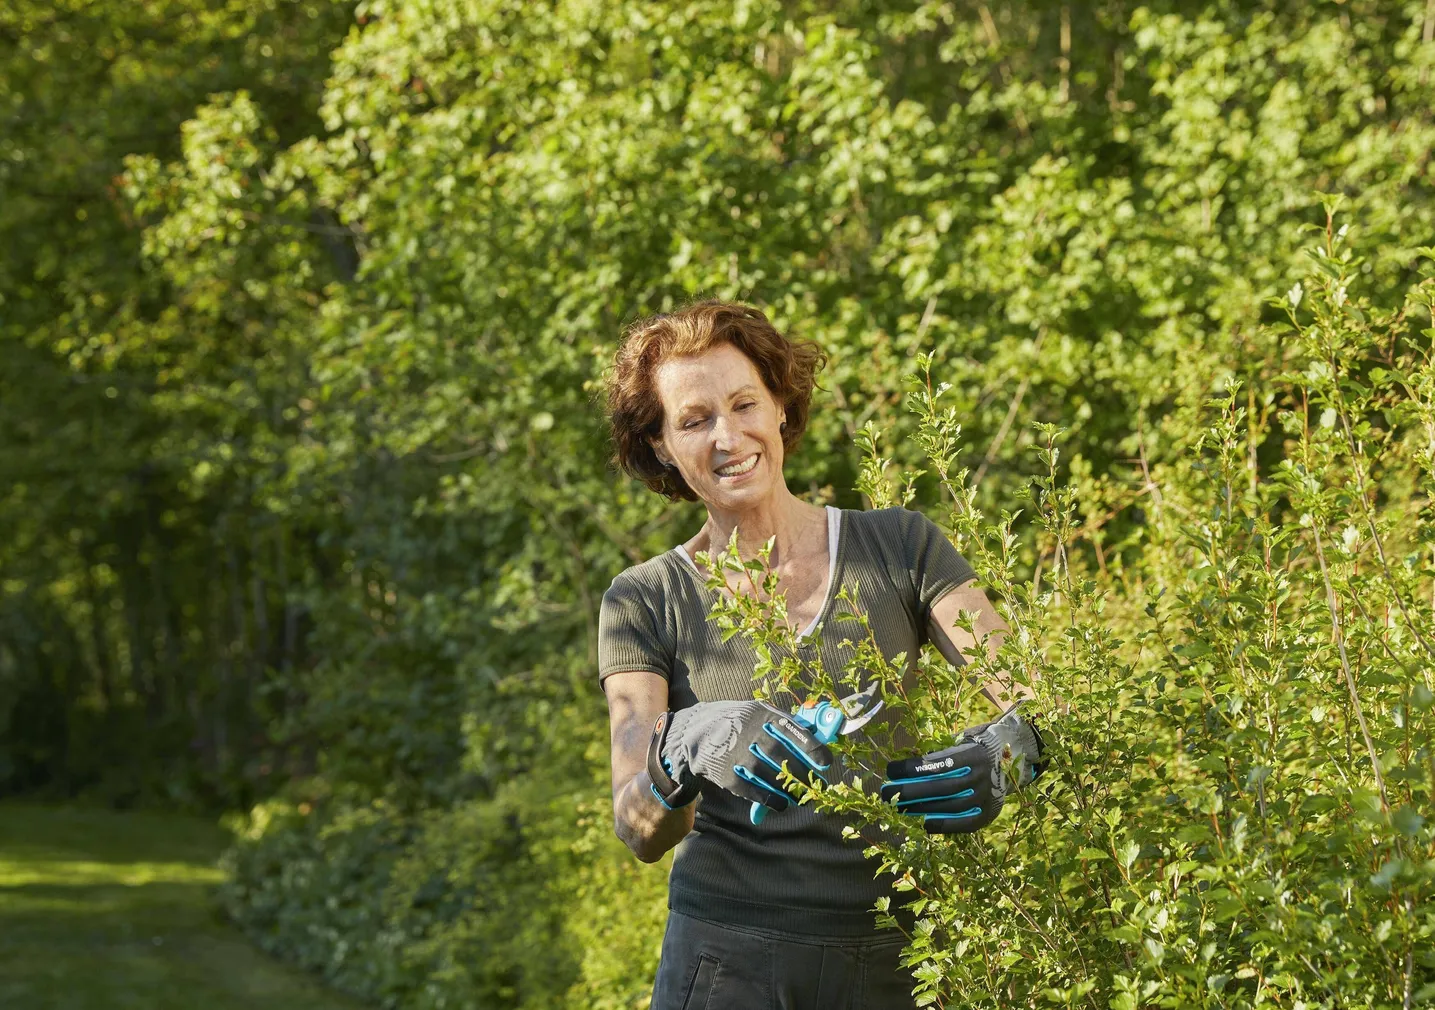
146, 590
306, 306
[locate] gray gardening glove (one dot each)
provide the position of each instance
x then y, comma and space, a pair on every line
962, 788
739, 746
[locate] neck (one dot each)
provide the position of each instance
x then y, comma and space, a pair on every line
781, 517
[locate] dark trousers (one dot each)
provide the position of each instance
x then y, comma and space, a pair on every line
713, 966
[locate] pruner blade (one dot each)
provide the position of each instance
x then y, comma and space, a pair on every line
858, 709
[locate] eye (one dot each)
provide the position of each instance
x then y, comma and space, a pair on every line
747, 406
691, 423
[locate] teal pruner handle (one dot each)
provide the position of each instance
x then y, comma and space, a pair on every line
825, 721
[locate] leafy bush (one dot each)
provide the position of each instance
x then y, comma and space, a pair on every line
311, 887
518, 901
1238, 696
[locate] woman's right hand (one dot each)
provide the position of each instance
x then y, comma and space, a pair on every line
741, 746
646, 826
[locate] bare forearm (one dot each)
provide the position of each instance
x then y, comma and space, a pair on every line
1001, 687
647, 827
959, 646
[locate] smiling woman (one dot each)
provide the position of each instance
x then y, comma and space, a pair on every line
661, 372
706, 403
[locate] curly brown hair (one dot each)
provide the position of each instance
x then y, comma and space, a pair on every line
788, 368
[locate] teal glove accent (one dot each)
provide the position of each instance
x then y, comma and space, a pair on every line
962, 788
825, 721
741, 746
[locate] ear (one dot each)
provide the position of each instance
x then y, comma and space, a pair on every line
660, 452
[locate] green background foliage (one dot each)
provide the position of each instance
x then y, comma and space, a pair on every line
304, 309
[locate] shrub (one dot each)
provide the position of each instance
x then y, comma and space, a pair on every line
521, 900
1238, 692
309, 886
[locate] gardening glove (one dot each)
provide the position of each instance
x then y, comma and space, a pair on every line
961, 789
739, 746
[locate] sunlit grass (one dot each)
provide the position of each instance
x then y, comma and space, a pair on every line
102, 910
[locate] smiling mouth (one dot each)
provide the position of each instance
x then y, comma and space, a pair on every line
738, 469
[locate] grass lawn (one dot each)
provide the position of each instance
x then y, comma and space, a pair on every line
108, 911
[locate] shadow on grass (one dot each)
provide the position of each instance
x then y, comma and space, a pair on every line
109, 911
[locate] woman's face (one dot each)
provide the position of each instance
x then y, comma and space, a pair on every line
721, 427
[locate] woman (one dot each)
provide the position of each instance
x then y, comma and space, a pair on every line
705, 404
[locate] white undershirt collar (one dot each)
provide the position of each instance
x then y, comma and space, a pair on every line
834, 531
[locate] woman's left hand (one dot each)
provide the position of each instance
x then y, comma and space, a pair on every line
962, 788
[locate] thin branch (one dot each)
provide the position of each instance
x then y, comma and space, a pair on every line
1006, 424
1355, 457
1427, 35
1345, 666
1010, 414
454, 457
994, 41
1064, 89
931, 310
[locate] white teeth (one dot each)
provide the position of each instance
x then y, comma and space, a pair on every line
737, 468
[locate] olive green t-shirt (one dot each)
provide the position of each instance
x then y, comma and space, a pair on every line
794, 872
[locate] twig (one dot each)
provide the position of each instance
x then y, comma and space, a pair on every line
1427, 35
931, 308
1064, 89
1345, 666
454, 457
994, 41
1011, 410
1146, 472
1002, 431
996, 879
1355, 455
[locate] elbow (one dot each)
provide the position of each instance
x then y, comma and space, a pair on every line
649, 854
646, 847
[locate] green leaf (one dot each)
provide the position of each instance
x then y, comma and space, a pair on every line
1128, 853
1421, 697
1407, 821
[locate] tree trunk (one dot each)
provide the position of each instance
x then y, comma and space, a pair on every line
99, 635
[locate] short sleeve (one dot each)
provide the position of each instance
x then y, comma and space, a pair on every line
629, 635
936, 566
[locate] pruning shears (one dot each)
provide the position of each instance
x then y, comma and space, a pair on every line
829, 720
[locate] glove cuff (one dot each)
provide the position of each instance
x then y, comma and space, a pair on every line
1039, 765
668, 791
1038, 762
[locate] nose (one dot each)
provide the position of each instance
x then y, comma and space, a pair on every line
725, 433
